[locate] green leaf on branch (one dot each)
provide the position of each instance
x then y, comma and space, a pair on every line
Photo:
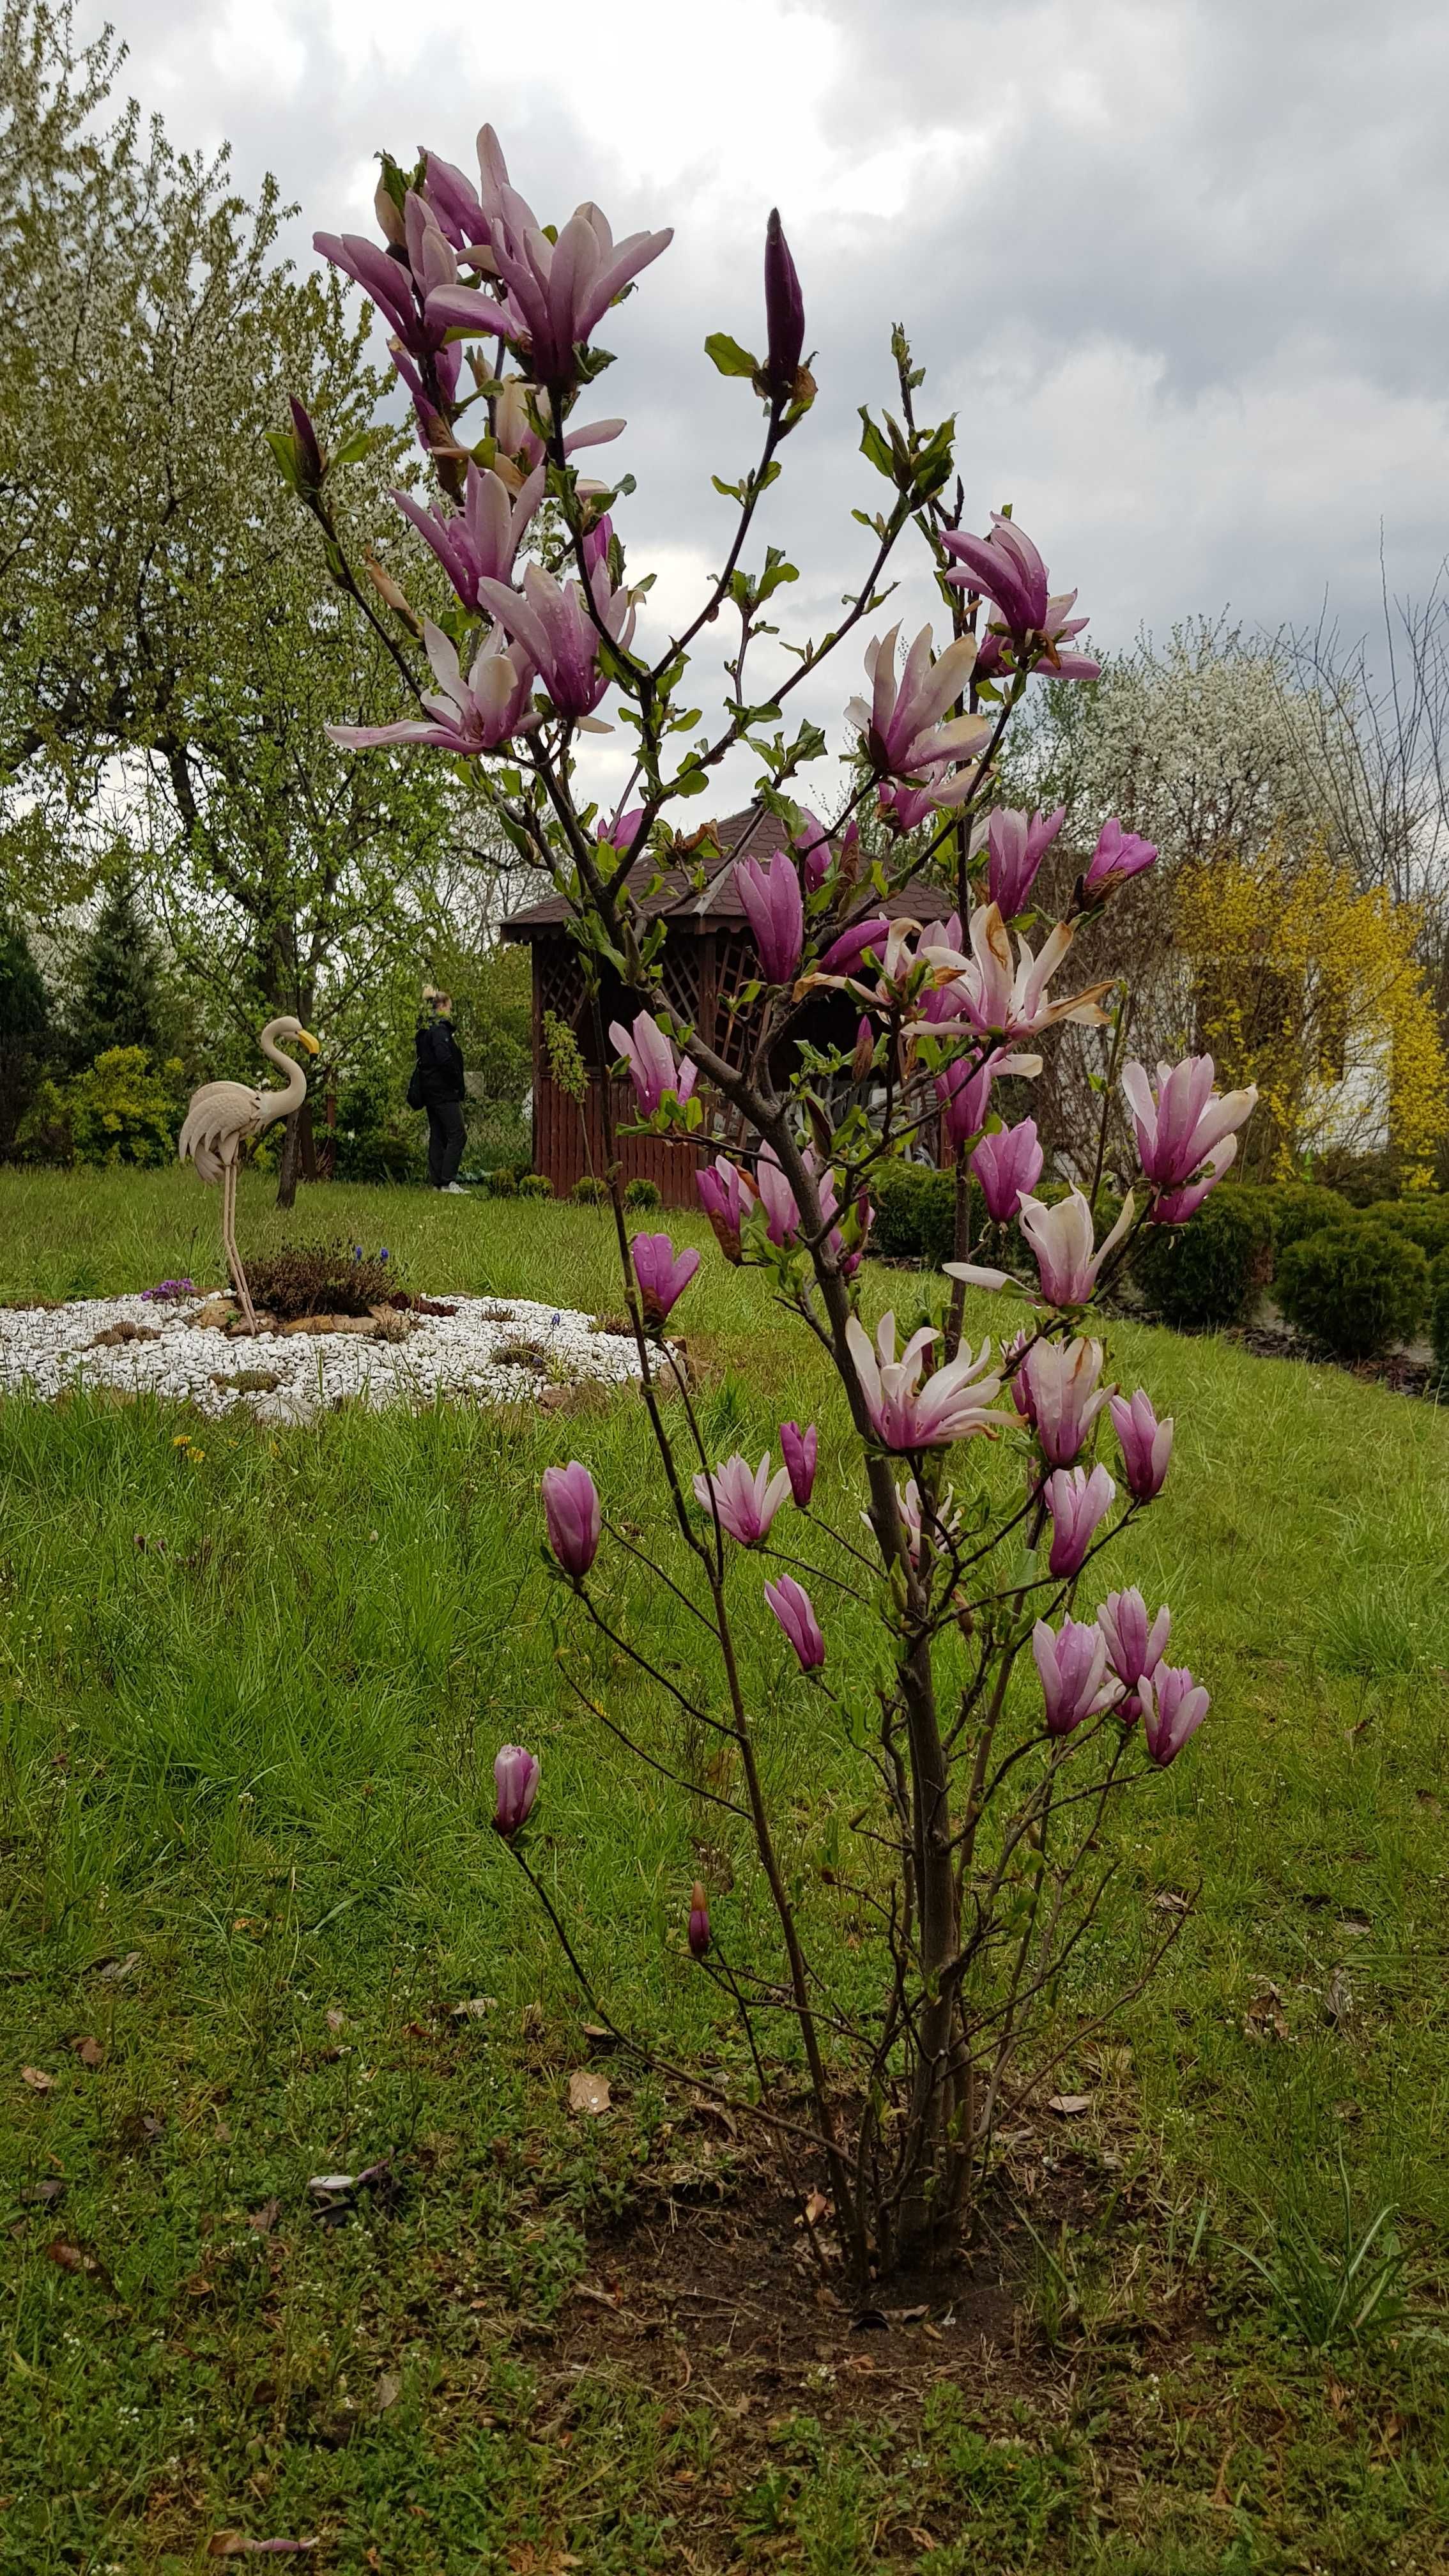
360, 444
283, 448
729, 357
692, 780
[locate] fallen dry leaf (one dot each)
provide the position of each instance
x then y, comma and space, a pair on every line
588, 2092
1169, 1902
91, 2052
263, 2220
1338, 2002
235, 2544
389, 2390
40, 2194
71, 2258
816, 2208
335, 2019
1069, 2106
37, 2079
473, 2008
112, 1970
1265, 2017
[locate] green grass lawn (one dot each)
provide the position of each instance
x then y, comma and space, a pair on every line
248, 1709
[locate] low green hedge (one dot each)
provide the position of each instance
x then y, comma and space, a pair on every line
1354, 1288
1439, 1314
1208, 1272
1425, 1220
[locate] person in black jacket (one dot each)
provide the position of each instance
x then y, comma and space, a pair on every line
437, 1087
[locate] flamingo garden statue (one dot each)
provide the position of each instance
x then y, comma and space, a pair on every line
224, 1116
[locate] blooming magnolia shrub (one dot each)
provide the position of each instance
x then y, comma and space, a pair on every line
1006, 1698
1355, 1288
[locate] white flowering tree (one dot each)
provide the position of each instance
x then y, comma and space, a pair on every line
996, 1722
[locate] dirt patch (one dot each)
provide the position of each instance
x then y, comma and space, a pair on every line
1396, 1370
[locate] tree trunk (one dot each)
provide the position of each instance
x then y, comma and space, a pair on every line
299, 1154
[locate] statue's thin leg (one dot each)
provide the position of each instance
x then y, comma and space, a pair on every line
228, 1236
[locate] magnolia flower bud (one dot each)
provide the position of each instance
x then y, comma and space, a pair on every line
698, 1920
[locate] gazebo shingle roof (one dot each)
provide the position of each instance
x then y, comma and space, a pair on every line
715, 904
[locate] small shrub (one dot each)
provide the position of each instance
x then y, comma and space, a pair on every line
501, 1183
588, 1192
642, 1194
1354, 1288
1360, 1178
1439, 1315
321, 1279
915, 1213
1209, 1271
1297, 1208
535, 1185
1424, 1220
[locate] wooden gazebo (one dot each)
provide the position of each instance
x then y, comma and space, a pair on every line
709, 957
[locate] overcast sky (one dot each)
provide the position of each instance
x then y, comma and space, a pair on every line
1181, 266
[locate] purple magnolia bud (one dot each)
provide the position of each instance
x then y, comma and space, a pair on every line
727, 1196
515, 1774
770, 893
848, 950
1077, 1503
784, 314
799, 1450
1017, 845
1134, 1649
1117, 856
1174, 1706
811, 845
652, 1068
791, 1606
307, 447
964, 1092
698, 1920
1072, 1664
864, 1056
1064, 1396
1146, 1445
662, 1278
1186, 1131
571, 1510
1008, 1166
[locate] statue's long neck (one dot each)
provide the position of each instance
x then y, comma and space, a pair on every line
280, 1104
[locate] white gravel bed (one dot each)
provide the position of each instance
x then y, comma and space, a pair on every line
454, 1356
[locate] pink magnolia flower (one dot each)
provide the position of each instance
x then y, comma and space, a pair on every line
467, 716
520, 448
557, 292
1008, 1166
727, 1196
571, 1510
480, 542
776, 1197
901, 722
515, 1778
1063, 1393
1019, 1379
904, 1414
811, 845
1075, 1682
746, 1499
1078, 1503
770, 893
555, 628
698, 1927
848, 950
1146, 1445
791, 1605
996, 995
1185, 1126
1174, 1706
1017, 844
620, 835
1117, 856
945, 1523
799, 1449
1134, 1649
652, 1068
1061, 1238
1006, 568
662, 1278
964, 1089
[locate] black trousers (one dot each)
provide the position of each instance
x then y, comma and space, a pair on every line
445, 1141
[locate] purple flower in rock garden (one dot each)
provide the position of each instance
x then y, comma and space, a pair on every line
652, 1068
792, 1607
1075, 1682
555, 628
784, 314
1016, 845
1006, 568
698, 1930
1185, 1128
1146, 1445
770, 893
904, 1414
662, 1277
467, 716
1078, 1504
1064, 1396
1008, 1166
515, 1775
480, 541
727, 1196
571, 1509
1134, 1649
745, 1498
799, 1449
1117, 856
901, 723
1174, 1706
